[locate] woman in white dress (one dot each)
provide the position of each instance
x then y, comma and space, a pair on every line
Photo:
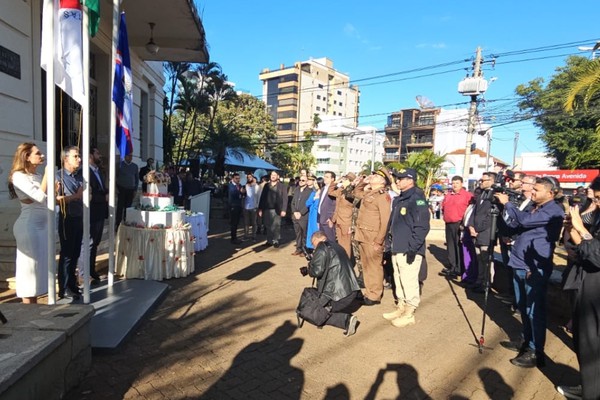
31, 228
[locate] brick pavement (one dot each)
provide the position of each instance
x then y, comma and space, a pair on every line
229, 332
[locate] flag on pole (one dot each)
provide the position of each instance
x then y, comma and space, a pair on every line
68, 51
122, 93
93, 7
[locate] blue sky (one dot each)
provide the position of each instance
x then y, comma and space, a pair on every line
371, 39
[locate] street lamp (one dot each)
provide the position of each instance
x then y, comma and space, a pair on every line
592, 49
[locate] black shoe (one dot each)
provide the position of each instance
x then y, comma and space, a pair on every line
268, 244
369, 302
445, 272
276, 244
529, 359
514, 345
478, 289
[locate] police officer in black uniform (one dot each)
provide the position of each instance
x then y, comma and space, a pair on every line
407, 229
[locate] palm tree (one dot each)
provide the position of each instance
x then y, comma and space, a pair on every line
584, 89
428, 166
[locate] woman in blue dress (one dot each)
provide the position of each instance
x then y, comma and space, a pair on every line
313, 209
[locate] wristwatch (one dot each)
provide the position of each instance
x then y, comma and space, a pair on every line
587, 236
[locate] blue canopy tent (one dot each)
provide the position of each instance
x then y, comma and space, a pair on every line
240, 159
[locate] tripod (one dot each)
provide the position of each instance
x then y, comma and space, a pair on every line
494, 211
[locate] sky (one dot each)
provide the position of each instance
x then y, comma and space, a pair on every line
397, 50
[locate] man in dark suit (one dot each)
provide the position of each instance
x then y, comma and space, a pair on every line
327, 208
176, 188
143, 171
98, 208
480, 227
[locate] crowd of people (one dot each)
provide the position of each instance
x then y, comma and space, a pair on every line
353, 229
527, 217
368, 218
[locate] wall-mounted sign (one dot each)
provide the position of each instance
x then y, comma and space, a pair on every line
10, 62
563, 175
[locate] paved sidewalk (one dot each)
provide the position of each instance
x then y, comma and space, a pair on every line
229, 332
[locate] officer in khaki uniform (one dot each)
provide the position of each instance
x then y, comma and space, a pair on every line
371, 226
342, 217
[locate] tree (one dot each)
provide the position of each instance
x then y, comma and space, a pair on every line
428, 166
570, 139
584, 90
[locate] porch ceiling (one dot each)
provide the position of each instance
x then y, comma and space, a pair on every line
178, 30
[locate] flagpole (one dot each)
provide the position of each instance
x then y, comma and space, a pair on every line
50, 151
85, 155
113, 149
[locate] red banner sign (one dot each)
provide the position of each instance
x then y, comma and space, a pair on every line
565, 175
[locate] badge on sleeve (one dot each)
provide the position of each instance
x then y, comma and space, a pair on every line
403, 211
421, 203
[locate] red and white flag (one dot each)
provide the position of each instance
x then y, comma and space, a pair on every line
68, 52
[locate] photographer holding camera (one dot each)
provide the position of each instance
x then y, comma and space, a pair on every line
531, 261
331, 267
480, 227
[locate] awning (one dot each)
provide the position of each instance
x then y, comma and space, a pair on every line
240, 158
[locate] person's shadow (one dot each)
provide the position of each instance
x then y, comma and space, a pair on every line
407, 379
263, 367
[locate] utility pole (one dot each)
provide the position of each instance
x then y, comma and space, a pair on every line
515, 149
472, 87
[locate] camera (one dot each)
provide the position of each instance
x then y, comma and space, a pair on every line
575, 201
499, 186
304, 271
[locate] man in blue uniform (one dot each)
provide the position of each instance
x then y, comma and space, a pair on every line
407, 229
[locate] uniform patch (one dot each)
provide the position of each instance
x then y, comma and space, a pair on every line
403, 211
421, 203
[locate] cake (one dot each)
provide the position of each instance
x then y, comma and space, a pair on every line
153, 219
156, 210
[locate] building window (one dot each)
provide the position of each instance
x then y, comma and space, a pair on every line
143, 129
339, 92
286, 127
318, 97
341, 103
289, 78
323, 160
335, 102
288, 89
320, 86
287, 102
286, 114
318, 108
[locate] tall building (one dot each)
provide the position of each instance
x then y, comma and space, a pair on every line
437, 129
407, 131
295, 94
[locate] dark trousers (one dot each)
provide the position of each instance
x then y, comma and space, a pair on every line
124, 200
338, 318
70, 232
234, 220
531, 301
96, 228
453, 245
329, 232
586, 337
300, 230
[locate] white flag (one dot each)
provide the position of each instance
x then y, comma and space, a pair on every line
68, 52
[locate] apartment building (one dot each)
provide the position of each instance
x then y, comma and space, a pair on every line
341, 148
295, 94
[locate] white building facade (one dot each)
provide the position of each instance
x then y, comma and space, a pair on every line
346, 149
22, 89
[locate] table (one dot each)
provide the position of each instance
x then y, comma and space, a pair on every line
154, 254
197, 223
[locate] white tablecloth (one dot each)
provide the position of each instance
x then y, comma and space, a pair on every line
155, 254
197, 223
